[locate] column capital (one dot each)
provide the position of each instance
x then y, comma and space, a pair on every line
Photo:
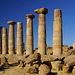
0, 27
41, 11
11, 22
19, 22
57, 13
30, 16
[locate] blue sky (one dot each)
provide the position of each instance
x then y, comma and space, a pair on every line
15, 10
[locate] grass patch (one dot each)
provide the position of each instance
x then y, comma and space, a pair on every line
53, 69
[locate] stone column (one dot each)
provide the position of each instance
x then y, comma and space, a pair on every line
23, 47
4, 41
11, 37
73, 45
19, 38
29, 34
42, 30
0, 40
57, 32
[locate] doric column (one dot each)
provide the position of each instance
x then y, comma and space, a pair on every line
29, 34
19, 38
57, 32
0, 40
4, 41
42, 30
73, 45
11, 37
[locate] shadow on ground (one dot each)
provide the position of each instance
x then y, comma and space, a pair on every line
52, 74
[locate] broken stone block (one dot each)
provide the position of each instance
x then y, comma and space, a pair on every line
70, 60
73, 71
30, 69
32, 58
44, 69
57, 65
65, 69
3, 60
21, 65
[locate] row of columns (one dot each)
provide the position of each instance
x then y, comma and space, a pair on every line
57, 34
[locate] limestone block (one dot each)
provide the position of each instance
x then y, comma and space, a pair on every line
32, 58
3, 60
44, 69
30, 70
65, 69
73, 71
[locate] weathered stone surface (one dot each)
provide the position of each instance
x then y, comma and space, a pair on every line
4, 41
42, 30
73, 71
73, 45
48, 58
19, 38
3, 60
65, 48
1, 66
70, 60
57, 33
44, 69
71, 52
51, 58
0, 40
57, 65
12, 60
32, 58
49, 51
29, 34
21, 65
11, 37
30, 69
65, 69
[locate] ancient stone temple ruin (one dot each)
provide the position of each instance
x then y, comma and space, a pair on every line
56, 60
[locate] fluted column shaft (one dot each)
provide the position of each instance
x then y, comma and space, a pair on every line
11, 37
57, 32
73, 45
0, 40
42, 34
4, 41
42, 30
19, 38
29, 34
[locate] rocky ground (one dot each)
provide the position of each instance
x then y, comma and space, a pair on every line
37, 64
17, 71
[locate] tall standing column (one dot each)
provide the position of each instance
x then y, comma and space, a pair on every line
19, 38
0, 40
4, 41
57, 32
73, 45
11, 37
42, 30
29, 34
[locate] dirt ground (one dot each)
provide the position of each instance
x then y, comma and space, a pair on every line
15, 70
